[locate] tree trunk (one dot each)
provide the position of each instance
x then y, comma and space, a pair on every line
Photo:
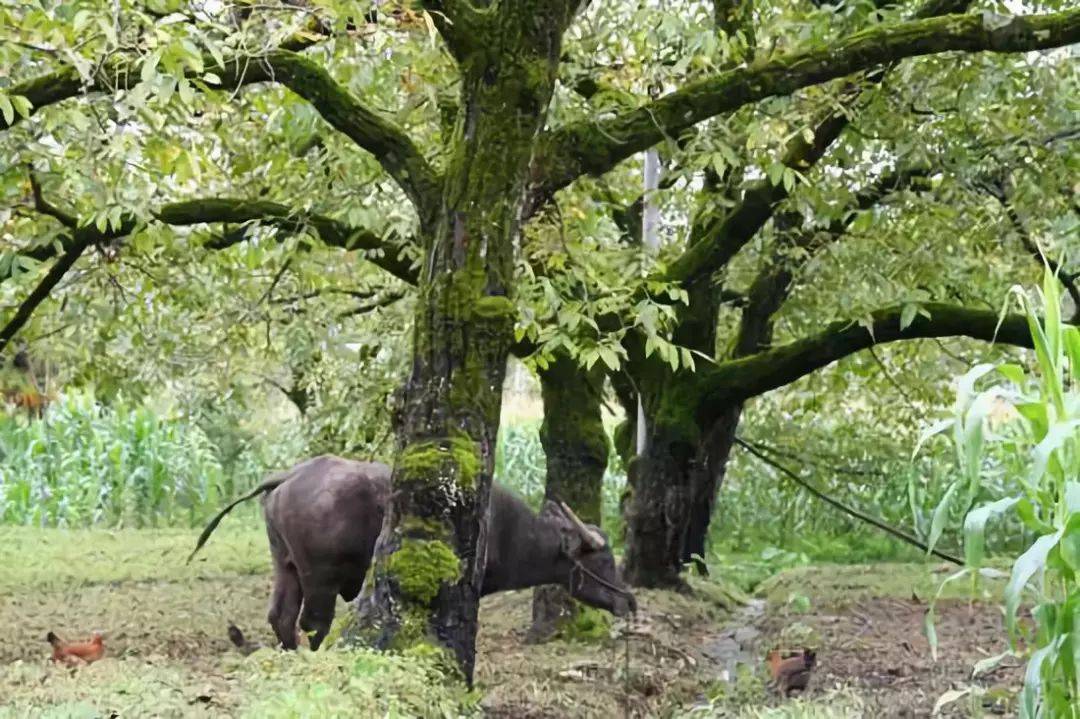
429, 559
661, 486
709, 467
576, 448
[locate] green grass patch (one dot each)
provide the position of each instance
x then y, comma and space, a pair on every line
39, 559
268, 683
843, 584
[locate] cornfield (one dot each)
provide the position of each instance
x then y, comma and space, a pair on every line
85, 464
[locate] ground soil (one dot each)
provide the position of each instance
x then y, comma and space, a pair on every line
866, 623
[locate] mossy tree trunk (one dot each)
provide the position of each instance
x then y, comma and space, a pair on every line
766, 295
663, 478
660, 480
430, 557
576, 448
710, 466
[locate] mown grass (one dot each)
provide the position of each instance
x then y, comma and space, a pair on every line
164, 623
41, 559
841, 585
266, 684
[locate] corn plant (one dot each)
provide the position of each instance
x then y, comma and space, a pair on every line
86, 464
1034, 424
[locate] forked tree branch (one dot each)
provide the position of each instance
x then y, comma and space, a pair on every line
596, 147
70, 246
41, 292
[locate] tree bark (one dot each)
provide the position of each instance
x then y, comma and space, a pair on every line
661, 484
576, 447
663, 478
710, 466
430, 557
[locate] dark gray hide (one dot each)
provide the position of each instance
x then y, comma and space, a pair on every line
324, 515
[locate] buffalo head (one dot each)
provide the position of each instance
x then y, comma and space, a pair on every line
592, 575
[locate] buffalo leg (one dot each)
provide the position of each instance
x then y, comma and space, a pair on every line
285, 605
318, 610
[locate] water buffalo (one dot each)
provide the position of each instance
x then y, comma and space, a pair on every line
324, 515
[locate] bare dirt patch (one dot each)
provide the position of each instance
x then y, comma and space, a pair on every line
877, 646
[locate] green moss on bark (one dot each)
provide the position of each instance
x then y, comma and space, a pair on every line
453, 459
494, 307
422, 566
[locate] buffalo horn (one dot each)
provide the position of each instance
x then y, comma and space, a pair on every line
593, 539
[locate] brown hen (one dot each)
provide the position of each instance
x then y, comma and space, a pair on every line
75, 653
793, 673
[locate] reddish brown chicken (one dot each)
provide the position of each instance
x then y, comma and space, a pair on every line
75, 653
793, 673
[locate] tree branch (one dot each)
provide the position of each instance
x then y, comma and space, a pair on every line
382, 299
457, 21
41, 292
721, 239
390, 145
388, 255
596, 147
118, 74
742, 378
997, 189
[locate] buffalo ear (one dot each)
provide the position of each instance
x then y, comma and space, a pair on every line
550, 509
570, 541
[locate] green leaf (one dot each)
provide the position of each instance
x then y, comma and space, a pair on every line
1052, 314
1030, 694
931, 632
1071, 339
148, 71
1012, 372
7, 109
965, 385
975, 528
933, 430
1025, 567
775, 173
1055, 438
687, 359
907, 315
22, 104
928, 618
610, 358
1026, 511
941, 516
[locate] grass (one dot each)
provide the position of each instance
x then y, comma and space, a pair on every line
164, 624
265, 684
836, 704
44, 559
841, 585
168, 655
